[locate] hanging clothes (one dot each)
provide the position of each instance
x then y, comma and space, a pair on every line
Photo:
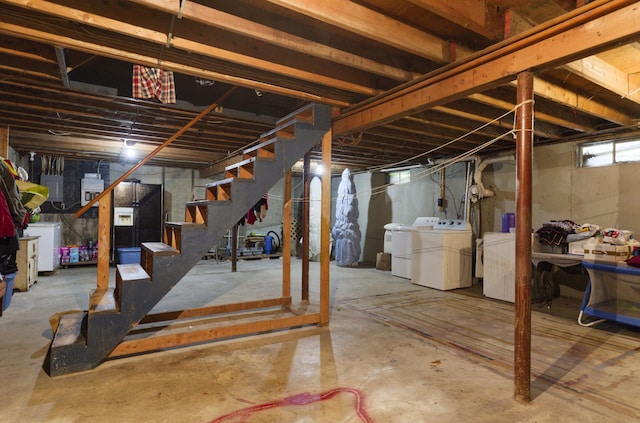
9, 243
11, 193
259, 211
153, 83
7, 227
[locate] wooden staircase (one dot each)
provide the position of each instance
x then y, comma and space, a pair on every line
84, 339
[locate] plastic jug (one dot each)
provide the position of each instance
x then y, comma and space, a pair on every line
268, 244
508, 221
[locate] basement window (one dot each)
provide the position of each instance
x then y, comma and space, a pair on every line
607, 153
399, 177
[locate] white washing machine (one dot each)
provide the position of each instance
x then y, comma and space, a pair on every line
402, 245
441, 257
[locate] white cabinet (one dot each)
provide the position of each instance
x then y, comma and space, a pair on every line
27, 261
401, 239
49, 248
499, 270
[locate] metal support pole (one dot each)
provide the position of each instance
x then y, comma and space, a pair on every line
524, 149
234, 248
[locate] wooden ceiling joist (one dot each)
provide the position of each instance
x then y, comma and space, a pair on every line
537, 51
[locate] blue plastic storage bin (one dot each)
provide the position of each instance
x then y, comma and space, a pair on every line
129, 255
9, 279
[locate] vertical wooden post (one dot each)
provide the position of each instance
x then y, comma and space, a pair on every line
325, 229
524, 149
104, 227
4, 142
234, 248
286, 236
306, 196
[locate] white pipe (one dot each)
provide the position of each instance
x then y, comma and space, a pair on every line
480, 165
467, 186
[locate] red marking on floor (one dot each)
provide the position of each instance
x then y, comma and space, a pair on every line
302, 399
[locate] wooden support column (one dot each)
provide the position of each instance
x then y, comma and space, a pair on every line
104, 228
234, 248
4, 142
286, 237
306, 196
325, 229
524, 150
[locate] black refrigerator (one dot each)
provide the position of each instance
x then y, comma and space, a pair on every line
137, 215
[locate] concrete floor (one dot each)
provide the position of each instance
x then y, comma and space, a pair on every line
359, 369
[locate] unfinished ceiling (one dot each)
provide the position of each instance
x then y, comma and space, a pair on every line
406, 78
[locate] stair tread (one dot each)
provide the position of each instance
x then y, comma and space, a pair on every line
260, 145
209, 203
183, 224
299, 114
241, 163
220, 182
102, 300
69, 330
132, 272
160, 248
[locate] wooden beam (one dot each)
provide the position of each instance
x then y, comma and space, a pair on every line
524, 165
541, 129
212, 310
583, 103
551, 118
363, 21
616, 21
135, 57
228, 22
62, 66
606, 75
51, 143
192, 46
161, 342
474, 15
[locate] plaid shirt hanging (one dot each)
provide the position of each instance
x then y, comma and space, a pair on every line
153, 83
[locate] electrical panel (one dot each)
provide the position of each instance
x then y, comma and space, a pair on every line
90, 187
55, 185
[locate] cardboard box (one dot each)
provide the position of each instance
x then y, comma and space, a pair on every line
607, 252
577, 247
74, 254
383, 261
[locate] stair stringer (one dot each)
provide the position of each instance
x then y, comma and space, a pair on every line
103, 330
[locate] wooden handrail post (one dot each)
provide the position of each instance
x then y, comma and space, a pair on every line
306, 196
104, 228
325, 230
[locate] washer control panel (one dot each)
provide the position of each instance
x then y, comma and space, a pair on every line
452, 224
